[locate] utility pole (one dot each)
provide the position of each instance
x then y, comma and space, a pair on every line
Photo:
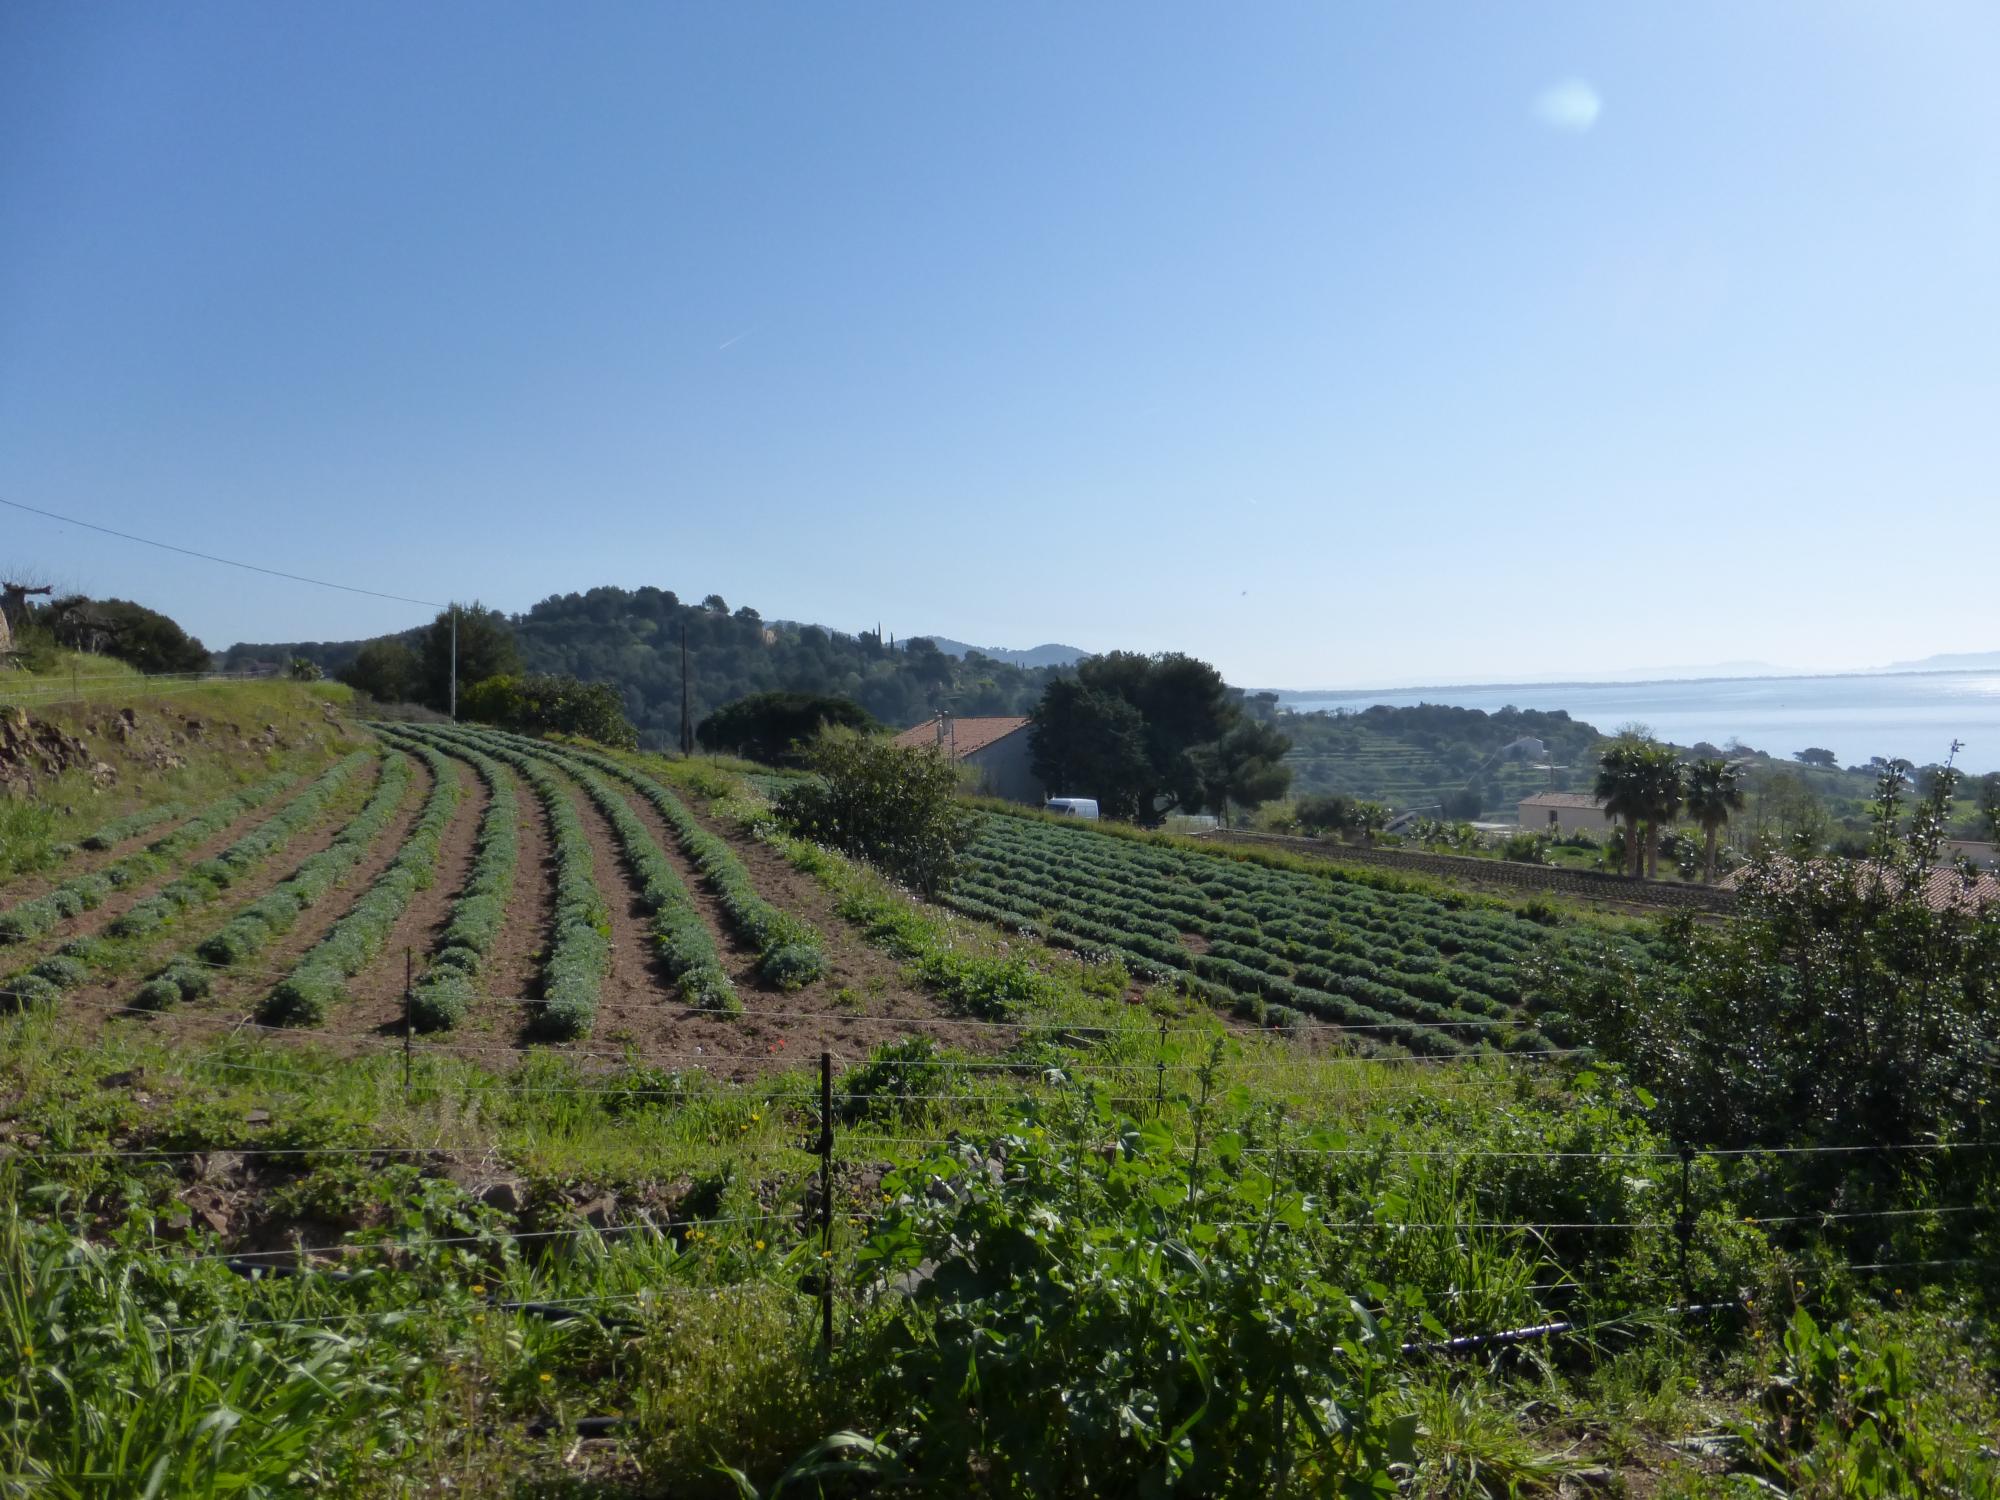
454, 661
687, 723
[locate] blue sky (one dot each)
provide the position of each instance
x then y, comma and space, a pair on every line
1340, 344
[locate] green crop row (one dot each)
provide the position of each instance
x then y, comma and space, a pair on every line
580, 951
42, 984
789, 954
445, 993
277, 909
120, 829
319, 981
680, 936
84, 893
1406, 966
204, 881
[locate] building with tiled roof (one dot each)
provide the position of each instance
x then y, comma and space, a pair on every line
996, 749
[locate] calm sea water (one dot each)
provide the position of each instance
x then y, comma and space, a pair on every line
1913, 715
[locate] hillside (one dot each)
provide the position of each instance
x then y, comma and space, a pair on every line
557, 1124
631, 638
1048, 655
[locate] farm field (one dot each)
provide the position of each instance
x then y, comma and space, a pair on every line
1276, 945
442, 1110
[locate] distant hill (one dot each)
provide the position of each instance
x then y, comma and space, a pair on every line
631, 639
1050, 655
1951, 661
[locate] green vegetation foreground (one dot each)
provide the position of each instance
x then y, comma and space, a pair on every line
1129, 1250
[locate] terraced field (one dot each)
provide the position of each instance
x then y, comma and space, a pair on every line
1275, 945
476, 887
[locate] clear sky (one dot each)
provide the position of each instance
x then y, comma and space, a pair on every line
1337, 343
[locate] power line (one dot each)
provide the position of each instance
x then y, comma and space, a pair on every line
228, 562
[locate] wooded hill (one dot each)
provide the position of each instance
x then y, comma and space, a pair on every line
632, 639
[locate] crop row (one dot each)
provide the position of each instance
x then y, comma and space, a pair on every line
682, 939
186, 976
1192, 885
1410, 968
580, 948
789, 954
445, 993
132, 824
81, 893
1404, 919
319, 981
202, 882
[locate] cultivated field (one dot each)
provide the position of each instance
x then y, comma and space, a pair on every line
399, 1108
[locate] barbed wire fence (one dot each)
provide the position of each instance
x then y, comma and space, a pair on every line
828, 1149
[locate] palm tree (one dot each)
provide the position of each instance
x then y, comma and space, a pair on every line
1641, 784
1665, 791
1714, 791
1621, 788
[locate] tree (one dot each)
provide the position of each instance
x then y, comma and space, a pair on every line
1127, 728
775, 727
1329, 813
896, 808
485, 649
304, 669
1989, 805
545, 704
1816, 757
386, 670
132, 633
1246, 766
1666, 789
1842, 1008
1714, 791
1623, 790
1090, 743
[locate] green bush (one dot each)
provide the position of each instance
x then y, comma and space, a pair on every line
895, 808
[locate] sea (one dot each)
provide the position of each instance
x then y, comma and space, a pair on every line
1911, 716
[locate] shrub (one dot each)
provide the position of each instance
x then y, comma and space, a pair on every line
898, 809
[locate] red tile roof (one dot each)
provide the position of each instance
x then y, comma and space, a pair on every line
968, 736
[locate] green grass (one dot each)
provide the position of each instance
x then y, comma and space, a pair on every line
1189, 1212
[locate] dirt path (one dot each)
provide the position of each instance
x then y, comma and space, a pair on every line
375, 995
635, 994
513, 970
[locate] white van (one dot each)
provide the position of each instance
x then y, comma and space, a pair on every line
1072, 807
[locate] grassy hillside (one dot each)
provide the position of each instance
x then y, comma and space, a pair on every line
80, 752
583, 1232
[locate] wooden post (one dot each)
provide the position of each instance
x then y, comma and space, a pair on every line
826, 1201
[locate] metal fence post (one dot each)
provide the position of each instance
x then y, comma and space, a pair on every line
408, 1027
826, 1201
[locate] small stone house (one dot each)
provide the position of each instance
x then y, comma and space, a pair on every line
1563, 812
